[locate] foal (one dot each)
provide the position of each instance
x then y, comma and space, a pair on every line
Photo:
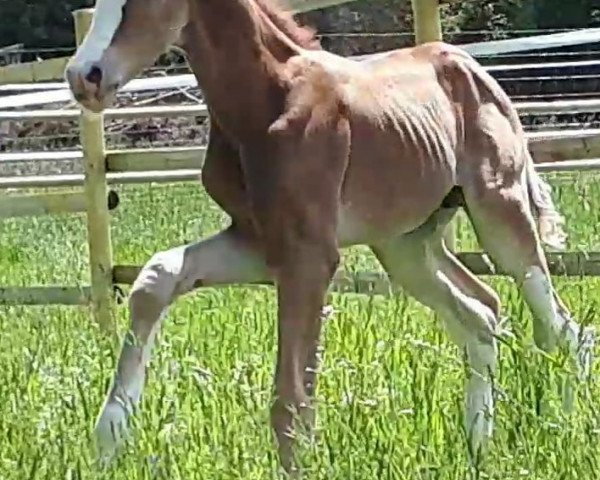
310, 152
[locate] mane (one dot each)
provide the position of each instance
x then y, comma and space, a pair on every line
284, 20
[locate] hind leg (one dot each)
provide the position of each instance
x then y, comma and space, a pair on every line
426, 270
506, 229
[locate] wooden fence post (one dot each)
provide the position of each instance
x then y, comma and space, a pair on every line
428, 28
427, 23
96, 192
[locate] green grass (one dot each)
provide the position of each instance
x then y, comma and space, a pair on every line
390, 395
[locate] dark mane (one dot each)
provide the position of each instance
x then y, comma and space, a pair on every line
304, 36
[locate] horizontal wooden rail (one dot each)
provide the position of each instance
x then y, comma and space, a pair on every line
40, 71
571, 264
142, 160
48, 204
361, 282
299, 6
559, 106
186, 175
565, 166
76, 296
546, 146
125, 113
564, 145
63, 156
41, 204
75, 180
200, 110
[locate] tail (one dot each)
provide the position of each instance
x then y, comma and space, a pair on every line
549, 220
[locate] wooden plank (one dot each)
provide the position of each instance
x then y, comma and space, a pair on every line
200, 110
343, 282
572, 264
558, 106
583, 165
31, 87
74, 180
564, 145
126, 113
550, 135
143, 160
299, 6
41, 204
64, 95
12, 206
518, 68
36, 71
51, 69
32, 296
69, 155
538, 42
138, 177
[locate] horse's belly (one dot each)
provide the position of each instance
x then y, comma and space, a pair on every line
390, 195
368, 228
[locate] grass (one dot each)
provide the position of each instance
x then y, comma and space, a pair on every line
390, 394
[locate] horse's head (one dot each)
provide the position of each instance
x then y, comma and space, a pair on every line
126, 36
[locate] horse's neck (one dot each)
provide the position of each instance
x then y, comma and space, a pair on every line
234, 64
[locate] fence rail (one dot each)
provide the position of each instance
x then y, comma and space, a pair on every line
200, 110
545, 147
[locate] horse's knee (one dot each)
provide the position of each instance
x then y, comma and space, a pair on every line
156, 285
469, 319
482, 354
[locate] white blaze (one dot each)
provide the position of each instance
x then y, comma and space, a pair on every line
107, 18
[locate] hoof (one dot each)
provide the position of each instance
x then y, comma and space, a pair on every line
585, 353
584, 359
111, 429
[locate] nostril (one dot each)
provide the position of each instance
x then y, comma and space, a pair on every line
94, 76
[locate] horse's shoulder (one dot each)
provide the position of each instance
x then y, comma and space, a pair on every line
311, 84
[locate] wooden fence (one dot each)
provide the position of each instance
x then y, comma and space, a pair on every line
554, 151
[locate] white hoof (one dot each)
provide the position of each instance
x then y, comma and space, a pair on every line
479, 415
111, 429
479, 430
585, 352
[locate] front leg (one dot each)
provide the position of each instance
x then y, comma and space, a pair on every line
226, 258
302, 285
294, 181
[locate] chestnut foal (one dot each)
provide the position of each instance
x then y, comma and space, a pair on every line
310, 152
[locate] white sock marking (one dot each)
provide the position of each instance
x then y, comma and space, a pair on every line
554, 327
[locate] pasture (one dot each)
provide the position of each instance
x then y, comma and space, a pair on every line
390, 392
